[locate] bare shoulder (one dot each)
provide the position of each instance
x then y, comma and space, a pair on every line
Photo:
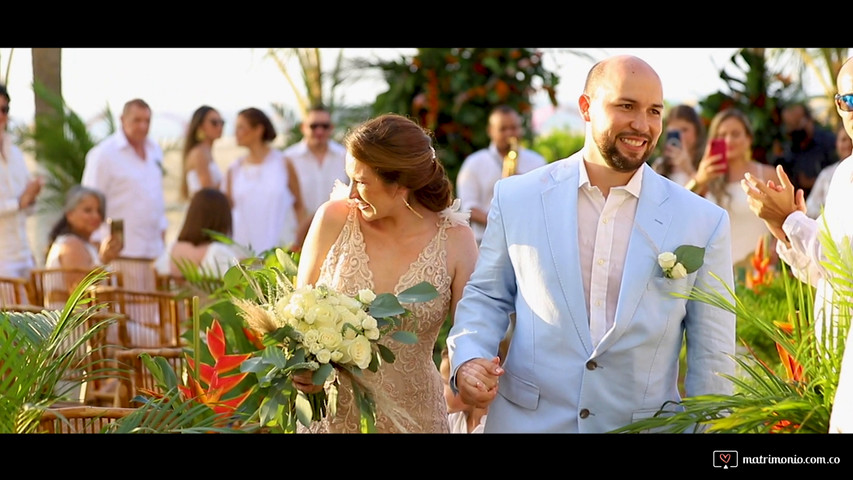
461, 243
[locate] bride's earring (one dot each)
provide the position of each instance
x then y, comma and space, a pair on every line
412, 209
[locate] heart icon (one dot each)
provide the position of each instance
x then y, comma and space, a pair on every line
725, 457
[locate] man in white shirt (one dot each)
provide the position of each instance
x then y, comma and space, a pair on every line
784, 211
476, 179
18, 191
318, 161
127, 168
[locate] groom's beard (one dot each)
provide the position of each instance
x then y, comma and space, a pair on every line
616, 160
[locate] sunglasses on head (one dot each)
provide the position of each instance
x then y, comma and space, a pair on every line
844, 102
5, 109
324, 126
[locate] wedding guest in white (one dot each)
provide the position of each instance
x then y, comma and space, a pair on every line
262, 187
127, 167
18, 192
783, 209
199, 168
573, 249
480, 170
318, 161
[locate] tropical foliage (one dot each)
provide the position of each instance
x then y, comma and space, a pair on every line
451, 91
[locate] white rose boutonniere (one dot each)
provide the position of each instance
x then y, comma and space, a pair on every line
685, 260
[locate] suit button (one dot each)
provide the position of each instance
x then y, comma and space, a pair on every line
591, 365
584, 413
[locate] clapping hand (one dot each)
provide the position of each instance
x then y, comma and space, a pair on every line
773, 203
477, 381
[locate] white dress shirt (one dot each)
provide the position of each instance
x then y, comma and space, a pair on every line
604, 228
316, 178
805, 256
476, 179
133, 188
16, 258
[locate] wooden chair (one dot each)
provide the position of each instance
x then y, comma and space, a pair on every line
137, 273
80, 419
51, 287
13, 291
154, 318
137, 378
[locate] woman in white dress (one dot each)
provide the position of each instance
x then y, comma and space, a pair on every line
199, 168
263, 187
208, 211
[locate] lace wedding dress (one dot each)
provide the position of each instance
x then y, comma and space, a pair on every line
409, 392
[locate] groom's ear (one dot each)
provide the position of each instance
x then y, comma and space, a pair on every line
583, 106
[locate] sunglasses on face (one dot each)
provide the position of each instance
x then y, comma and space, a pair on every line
324, 126
844, 102
5, 109
217, 123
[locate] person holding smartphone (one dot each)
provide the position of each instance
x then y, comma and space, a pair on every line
728, 156
684, 146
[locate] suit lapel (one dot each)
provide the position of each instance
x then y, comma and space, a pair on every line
651, 224
560, 203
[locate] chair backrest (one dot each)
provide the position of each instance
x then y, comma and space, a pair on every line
51, 287
154, 318
137, 273
137, 378
80, 419
14, 291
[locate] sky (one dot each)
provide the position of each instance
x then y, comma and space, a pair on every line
175, 81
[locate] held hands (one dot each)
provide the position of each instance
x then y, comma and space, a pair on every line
303, 382
773, 203
477, 381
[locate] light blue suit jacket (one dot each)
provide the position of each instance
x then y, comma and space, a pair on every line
555, 380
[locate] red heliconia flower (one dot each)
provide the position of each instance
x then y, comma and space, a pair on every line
218, 386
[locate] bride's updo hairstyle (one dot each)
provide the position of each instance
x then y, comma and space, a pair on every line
400, 151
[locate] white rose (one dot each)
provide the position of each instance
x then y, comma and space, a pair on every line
352, 304
329, 338
368, 322
321, 314
667, 260
336, 355
360, 351
371, 333
294, 310
311, 336
678, 271
323, 356
366, 296
344, 357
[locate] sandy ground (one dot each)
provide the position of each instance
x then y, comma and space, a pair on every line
225, 151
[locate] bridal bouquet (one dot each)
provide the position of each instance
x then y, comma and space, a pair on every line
317, 328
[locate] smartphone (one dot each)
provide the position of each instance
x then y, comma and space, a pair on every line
718, 146
117, 229
673, 137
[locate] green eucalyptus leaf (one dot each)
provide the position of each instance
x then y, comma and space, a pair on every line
274, 356
385, 305
303, 409
690, 256
402, 336
422, 292
386, 353
322, 373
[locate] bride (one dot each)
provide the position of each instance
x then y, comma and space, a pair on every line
396, 226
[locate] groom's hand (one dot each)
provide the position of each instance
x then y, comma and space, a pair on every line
477, 381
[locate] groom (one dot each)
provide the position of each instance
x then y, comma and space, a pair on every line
572, 248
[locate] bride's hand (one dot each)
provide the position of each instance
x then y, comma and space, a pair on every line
303, 382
